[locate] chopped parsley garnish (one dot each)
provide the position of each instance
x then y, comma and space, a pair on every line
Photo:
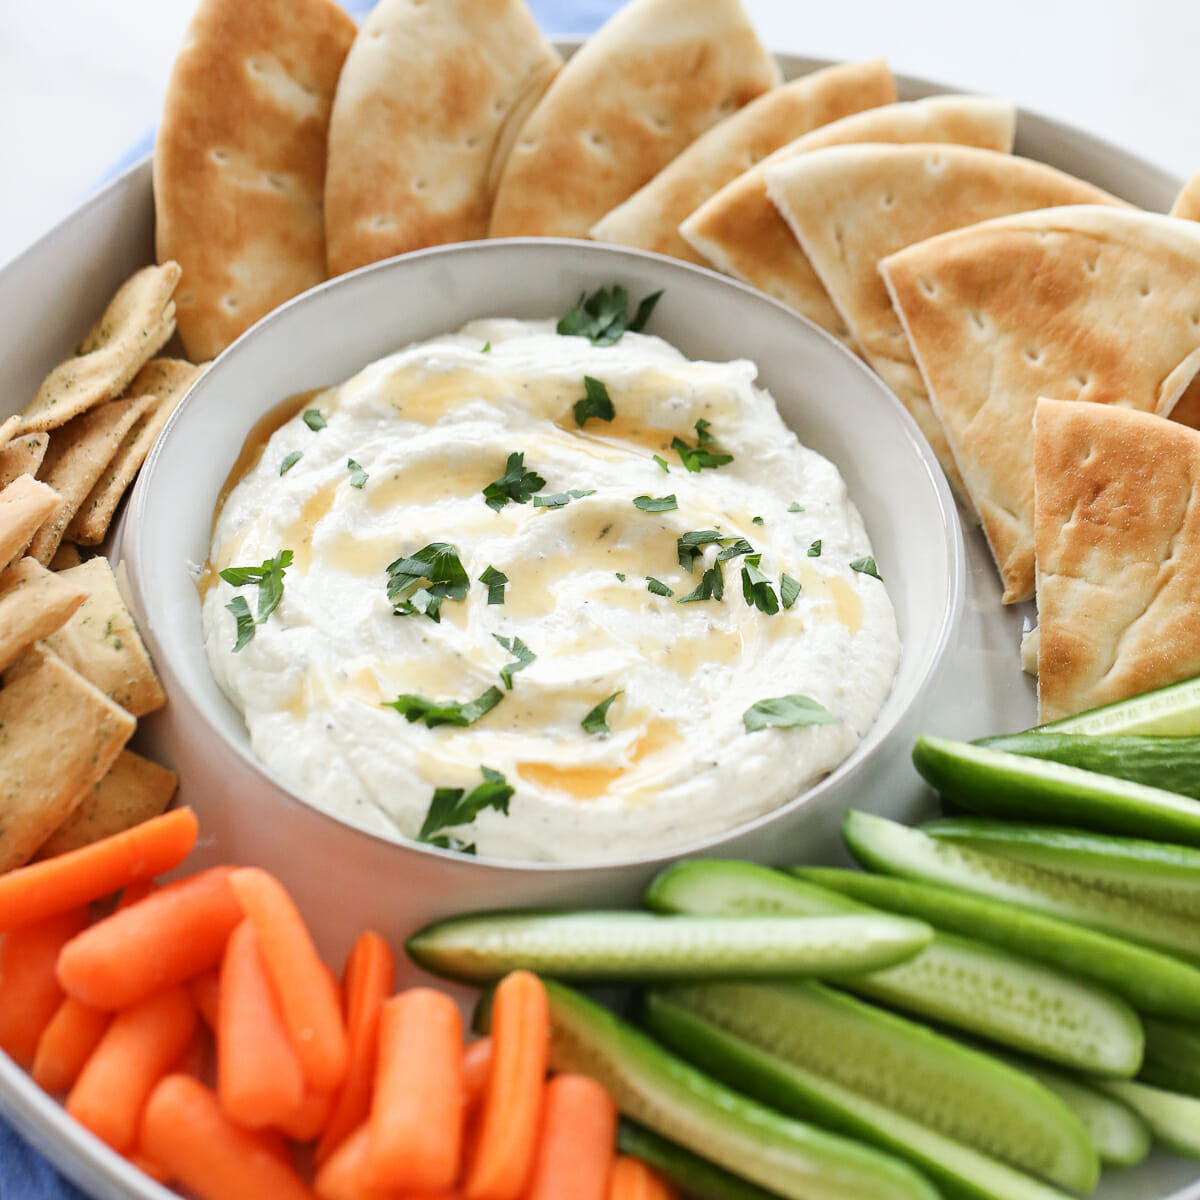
866, 566
290, 461
689, 545
662, 462
795, 506
597, 720
756, 587
658, 587
419, 583
597, 403
269, 577
786, 712
603, 316
495, 582
733, 548
710, 587
814, 551
757, 521
450, 808
655, 503
358, 477
487, 346
561, 499
789, 589
521, 652
445, 712
699, 456
516, 484
621, 576
314, 420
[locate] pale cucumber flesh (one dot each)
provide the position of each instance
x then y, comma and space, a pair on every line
1174, 1120
959, 1092
1172, 711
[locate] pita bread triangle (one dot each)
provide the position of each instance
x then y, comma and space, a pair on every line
1118, 554
850, 206
649, 219
1085, 303
1187, 203
656, 76
741, 232
428, 104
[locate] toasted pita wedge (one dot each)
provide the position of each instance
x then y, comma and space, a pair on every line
650, 218
22, 456
134, 790
66, 556
739, 231
76, 458
648, 84
428, 104
1187, 203
58, 737
24, 505
166, 380
1118, 554
102, 643
137, 323
850, 206
1084, 303
34, 603
239, 162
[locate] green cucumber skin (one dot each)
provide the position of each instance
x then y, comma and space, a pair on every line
889, 848
1154, 873
1172, 1056
930, 985
659, 1090
697, 1176
959, 1172
1174, 1120
963, 1094
1172, 711
994, 784
599, 947
1170, 763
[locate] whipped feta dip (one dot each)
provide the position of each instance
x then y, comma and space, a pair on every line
398, 460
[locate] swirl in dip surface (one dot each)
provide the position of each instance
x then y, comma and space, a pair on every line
433, 425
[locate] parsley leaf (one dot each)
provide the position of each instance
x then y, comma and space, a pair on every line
290, 461
710, 587
449, 807
621, 576
603, 316
524, 656
658, 587
662, 462
697, 457
314, 420
516, 484
733, 548
789, 589
756, 587
655, 503
495, 582
866, 566
597, 403
644, 309
487, 346
757, 521
597, 720
561, 499
445, 712
786, 712
814, 551
795, 506
245, 622
358, 477
268, 576
419, 583
688, 546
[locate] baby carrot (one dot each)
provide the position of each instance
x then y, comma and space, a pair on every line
148, 1166
308, 1121
185, 1131
206, 995
631, 1179
416, 1121
477, 1069
259, 1080
136, 1052
576, 1142
344, 1175
171, 935
508, 1123
307, 994
67, 1043
370, 973
29, 990
40, 890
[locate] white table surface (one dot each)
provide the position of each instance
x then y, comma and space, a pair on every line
80, 81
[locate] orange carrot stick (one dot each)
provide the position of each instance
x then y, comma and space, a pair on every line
135, 893
206, 995
185, 1131
631, 1179
135, 1053
344, 1175
508, 1122
67, 1043
148, 1166
259, 1080
194, 1059
369, 976
78, 877
477, 1070
307, 994
310, 1117
576, 1142
171, 935
29, 990
416, 1121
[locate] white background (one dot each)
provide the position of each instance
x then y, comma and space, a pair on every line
82, 80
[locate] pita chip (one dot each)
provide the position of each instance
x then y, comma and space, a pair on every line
67, 555
34, 602
1187, 203
25, 504
22, 456
1083, 302
58, 737
850, 206
239, 161
741, 232
656, 76
1118, 554
429, 101
650, 218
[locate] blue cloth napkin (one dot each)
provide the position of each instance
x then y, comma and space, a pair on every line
24, 1174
